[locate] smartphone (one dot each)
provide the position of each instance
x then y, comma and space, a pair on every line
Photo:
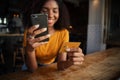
66, 45
40, 19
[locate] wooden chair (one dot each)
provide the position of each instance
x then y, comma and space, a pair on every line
18, 57
2, 57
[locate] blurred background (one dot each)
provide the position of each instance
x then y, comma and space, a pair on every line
94, 23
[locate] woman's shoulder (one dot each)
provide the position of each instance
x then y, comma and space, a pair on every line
64, 31
61, 32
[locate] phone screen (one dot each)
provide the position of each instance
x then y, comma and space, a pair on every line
40, 19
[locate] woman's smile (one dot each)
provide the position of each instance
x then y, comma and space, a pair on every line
51, 8
50, 21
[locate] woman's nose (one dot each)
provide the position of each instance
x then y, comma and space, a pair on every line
50, 14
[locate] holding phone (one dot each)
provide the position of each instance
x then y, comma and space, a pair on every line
42, 20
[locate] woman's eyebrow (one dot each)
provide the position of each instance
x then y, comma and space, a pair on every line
47, 8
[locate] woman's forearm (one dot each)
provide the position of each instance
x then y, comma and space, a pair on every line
31, 61
62, 65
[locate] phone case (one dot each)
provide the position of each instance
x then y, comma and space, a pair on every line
40, 19
69, 45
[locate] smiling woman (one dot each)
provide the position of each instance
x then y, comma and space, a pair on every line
35, 7
45, 53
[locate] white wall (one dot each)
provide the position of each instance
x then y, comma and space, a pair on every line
95, 26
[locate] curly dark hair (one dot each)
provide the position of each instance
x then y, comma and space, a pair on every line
36, 6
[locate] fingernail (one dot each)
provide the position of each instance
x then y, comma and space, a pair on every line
44, 29
37, 25
81, 62
67, 49
48, 35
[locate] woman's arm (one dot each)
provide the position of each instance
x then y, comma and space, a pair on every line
63, 63
31, 44
69, 58
31, 60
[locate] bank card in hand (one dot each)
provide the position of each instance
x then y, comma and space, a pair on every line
66, 45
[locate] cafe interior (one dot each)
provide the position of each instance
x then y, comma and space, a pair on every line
94, 23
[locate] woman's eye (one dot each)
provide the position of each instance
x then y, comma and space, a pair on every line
55, 11
44, 12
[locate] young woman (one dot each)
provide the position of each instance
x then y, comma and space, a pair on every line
44, 53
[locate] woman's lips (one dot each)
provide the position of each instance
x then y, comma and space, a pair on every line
50, 21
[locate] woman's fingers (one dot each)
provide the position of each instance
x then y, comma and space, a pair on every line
76, 56
35, 42
32, 32
31, 29
39, 39
39, 31
38, 44
77, 59
75, 52
32, 38
32, 41
77, 63
31, 47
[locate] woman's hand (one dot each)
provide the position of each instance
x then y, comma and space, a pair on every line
33, 42
75, 56
72, 56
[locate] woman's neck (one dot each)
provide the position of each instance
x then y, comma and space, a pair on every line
51, 30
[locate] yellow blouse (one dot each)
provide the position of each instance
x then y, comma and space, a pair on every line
47, 53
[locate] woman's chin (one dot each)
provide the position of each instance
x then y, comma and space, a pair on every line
50, 25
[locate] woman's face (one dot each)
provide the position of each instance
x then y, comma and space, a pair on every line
52, 9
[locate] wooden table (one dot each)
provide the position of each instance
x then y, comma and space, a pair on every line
10, 35
104, 65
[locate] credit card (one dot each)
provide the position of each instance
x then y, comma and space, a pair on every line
66, 45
